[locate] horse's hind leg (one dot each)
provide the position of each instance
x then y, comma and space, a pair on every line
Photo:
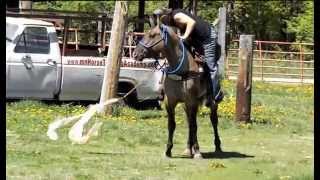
171, 125
214, 122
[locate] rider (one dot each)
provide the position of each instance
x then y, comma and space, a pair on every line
202, 35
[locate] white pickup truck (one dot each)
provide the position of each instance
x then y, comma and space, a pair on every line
35, 68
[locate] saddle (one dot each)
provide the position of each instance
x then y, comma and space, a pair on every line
198, 54
199, 59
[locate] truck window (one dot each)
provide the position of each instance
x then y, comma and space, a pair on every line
10, 31
33, 40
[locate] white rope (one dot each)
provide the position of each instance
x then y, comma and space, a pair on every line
76, 134
76, 131
51, 133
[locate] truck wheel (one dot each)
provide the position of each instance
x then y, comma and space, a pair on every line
131, 100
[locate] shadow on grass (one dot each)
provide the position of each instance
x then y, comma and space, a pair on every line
224, 155
205, 155
216, 155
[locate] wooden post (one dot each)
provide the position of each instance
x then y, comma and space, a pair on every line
65, 35
194, 7
261, 59
103, 35
112, 68
98, 36
175, 4
25, 4
222, 38
244, 82
301, 63
76, 39
141, 16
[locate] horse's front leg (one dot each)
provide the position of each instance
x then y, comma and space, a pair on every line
214, 122
170, 107
192, 145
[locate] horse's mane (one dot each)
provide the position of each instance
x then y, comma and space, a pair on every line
173, 32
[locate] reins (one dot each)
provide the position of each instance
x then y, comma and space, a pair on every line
164, 37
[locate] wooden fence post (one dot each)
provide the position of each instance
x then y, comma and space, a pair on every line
65, 35
222, 38
194, 7
244, 81
112, 67
141, 8
103, 35
26, 4
301, 62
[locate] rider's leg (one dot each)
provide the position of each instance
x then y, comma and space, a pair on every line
210, 56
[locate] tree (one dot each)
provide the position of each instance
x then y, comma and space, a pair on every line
303, 25
283, 20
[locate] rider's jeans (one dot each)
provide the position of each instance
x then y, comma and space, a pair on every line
209, 47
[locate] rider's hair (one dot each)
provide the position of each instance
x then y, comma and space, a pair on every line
162, 11
165, 15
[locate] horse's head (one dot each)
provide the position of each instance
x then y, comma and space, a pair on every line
151, 44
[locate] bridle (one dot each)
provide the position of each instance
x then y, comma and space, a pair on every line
149, 46
164, 37
155, 55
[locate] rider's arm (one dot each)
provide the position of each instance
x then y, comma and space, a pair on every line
182, 18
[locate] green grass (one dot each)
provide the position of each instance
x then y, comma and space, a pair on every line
277, 145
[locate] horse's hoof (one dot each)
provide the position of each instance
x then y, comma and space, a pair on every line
218, 150
168, 154
197, 156
187, 152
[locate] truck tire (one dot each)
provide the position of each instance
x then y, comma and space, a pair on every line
131, 100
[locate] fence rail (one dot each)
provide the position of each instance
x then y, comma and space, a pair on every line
272, 61
276, 61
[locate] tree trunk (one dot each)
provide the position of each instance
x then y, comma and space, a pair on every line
176, 4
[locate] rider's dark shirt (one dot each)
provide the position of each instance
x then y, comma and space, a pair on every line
201, 29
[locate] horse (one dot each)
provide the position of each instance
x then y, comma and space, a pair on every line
184, 82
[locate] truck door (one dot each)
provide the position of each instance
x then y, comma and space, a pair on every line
33, 65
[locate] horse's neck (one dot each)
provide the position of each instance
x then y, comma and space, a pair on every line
173, 54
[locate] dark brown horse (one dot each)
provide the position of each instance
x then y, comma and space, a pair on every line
184, 82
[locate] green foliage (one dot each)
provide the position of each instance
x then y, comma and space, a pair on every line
208, 10
83, 6
267, 20
303, 24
